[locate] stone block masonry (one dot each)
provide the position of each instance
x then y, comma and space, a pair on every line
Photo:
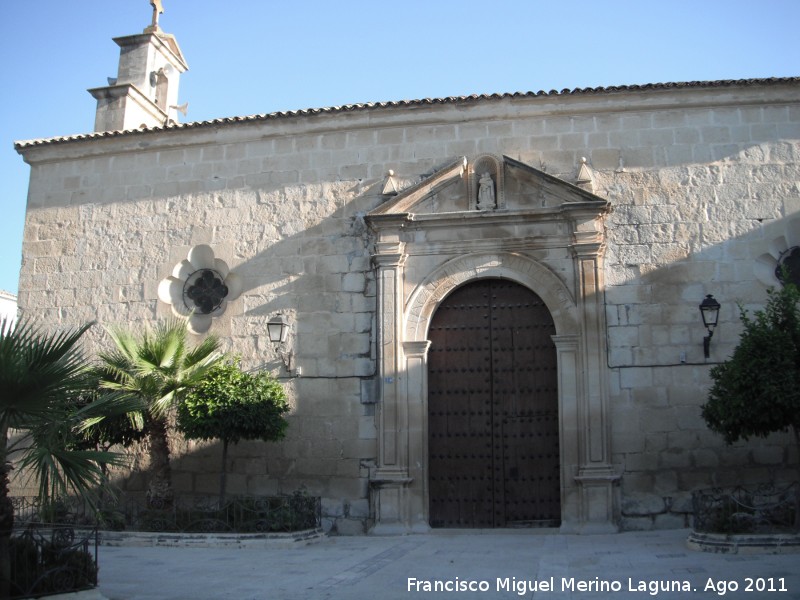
702, 181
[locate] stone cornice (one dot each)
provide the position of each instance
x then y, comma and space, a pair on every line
476, 218
387, 222
127, 89
133, 94
525, 244
165, 43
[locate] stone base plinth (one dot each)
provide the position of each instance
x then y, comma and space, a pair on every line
722, 543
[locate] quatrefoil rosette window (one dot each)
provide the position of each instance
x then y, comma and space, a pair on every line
200, 288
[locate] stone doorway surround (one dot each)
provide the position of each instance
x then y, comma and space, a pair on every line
491, 217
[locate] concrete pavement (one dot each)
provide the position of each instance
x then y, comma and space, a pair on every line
492, 563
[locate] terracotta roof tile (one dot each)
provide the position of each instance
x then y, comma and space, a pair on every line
21, 145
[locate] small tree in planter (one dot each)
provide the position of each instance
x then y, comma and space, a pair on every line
757, 391
231, 405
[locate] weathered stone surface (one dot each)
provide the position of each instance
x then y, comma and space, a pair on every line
701, 185
332, 508
358, 509
643, 504
343, 526
670, 521
636, 523
681, 504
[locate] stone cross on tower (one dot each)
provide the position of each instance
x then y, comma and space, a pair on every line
158, 9
145, 91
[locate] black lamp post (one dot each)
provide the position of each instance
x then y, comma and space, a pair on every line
709, 309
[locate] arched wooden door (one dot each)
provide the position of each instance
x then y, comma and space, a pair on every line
493, 458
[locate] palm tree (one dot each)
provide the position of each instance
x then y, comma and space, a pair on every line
159, 367
40, 375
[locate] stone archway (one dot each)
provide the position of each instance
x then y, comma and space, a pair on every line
501, 265
420, 309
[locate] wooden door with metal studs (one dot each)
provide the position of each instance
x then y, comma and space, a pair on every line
493, 447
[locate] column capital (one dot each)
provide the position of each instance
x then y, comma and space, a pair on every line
418, 349
389, 254
588, 245
569, 341
383, 261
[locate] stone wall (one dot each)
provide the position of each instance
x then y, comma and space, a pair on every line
702, 182
692, 227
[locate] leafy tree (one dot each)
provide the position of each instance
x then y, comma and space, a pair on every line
40, 375
232, 405
159, 367
757, 391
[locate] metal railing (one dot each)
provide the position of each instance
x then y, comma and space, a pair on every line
64, 511
766, 508
52, 559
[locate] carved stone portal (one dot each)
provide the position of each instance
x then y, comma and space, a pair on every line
557, 252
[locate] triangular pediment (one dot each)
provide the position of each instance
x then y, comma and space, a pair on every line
421, 194
486, 184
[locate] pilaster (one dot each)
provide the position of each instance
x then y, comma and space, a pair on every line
596, 476
416, 368
389, 278
389, 485
569, 391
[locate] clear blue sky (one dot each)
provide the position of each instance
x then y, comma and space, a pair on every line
259, 56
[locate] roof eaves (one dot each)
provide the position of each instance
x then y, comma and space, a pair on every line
22, 145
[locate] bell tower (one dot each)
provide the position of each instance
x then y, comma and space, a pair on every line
145, 91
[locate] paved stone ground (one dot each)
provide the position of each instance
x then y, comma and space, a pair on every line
349, 568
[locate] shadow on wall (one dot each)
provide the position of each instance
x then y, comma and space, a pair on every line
318, 270
722, 231
254, 468
676, 233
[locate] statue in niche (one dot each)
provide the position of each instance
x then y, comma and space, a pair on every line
486, 200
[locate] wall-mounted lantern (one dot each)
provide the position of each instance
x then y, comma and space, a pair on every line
709, 309
278, 328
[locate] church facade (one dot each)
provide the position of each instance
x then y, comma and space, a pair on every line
492, 301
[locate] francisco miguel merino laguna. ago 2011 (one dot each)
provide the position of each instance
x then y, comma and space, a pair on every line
567, 584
